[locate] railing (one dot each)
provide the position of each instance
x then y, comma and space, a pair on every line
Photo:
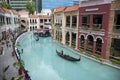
97, 26
33, 23
116, 28
74, 25
58, 24
1, 24
67, 24
85, 26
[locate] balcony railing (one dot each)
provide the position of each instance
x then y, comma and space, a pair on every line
116, 28
74, 25
97, 26
1, 24
85, 26
58, 24
67, 24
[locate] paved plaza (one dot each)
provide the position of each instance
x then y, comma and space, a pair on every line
7, 59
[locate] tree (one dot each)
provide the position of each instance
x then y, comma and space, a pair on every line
5, 5
30, 7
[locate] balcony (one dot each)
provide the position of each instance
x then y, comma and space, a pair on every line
67, 24
85, 26
97, 26
58, 24
116, 28
33, 23
1, 24
74, 25
17, 22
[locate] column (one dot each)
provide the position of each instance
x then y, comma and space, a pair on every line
70, 41
5, 25
85, 45
5, 20
54, 33
63, 36
76, 41
91, 21
80, 22
70, 21
2, 19
79, 43
102, 51
109, 41
94, 47
104, 48
63, 30
103, 22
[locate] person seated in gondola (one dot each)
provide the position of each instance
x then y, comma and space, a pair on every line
62, 52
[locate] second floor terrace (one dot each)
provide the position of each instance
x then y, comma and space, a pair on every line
71, 21
116, 23
92, 22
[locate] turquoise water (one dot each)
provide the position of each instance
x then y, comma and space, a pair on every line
43, 63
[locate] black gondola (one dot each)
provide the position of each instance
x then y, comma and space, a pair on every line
67, 57
37, 39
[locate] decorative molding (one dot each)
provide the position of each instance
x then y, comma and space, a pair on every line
92, 32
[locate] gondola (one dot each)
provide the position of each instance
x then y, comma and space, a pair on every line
67, 57
37, 39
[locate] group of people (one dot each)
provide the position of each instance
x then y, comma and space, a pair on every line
27, 77
18, 51
8, 44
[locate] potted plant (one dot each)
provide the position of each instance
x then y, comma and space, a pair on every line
19, 65
21, 77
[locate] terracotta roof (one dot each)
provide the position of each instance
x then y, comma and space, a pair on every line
23, 18
1, 10
22, 11
44, 16
33, 16
71, 8
5, 10
59, 9
14, 11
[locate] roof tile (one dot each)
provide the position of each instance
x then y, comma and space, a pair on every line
71, 8
59, 9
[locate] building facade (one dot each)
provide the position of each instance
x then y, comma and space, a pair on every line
113, 47
66, 25
9, 20
18, 4
93, 27
93, 30
38, 22
38, 5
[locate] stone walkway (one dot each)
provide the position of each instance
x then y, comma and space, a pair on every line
7, 59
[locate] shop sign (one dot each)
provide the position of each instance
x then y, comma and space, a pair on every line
92, 9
